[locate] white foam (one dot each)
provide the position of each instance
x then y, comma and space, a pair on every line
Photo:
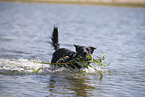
95, 70
25, 66
19, 65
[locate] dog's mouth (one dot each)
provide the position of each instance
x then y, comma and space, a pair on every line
86, 57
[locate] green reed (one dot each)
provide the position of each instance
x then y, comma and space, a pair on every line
84, 64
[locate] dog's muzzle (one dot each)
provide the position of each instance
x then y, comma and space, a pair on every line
86, 57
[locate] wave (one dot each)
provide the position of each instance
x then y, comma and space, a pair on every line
25, 66
18, 66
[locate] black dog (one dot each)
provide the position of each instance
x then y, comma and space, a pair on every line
82, 53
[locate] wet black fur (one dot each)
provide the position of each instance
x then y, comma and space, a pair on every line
81, 52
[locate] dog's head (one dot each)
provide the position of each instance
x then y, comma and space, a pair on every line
83, 51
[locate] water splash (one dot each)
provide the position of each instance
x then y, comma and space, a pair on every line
18, 66
25, 66
92, 71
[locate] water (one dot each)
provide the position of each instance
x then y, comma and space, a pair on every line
24, 35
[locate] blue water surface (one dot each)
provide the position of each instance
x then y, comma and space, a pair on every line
119, 32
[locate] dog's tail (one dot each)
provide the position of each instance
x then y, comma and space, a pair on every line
54, 38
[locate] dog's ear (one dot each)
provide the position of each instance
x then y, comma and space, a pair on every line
92, 49
77, 47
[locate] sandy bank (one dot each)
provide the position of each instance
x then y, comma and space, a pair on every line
128, 3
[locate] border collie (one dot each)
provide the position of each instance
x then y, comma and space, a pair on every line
68, 57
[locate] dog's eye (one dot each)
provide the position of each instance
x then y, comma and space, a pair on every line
87, 49
82, 49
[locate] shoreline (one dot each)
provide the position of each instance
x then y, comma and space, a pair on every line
94, 3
